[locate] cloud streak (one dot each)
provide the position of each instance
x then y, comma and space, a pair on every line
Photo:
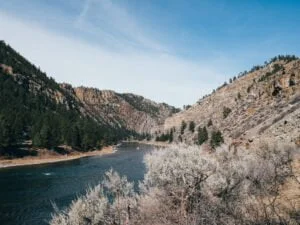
83, 12
115, 23
161, 77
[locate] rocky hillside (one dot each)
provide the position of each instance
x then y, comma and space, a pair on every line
37, 113
259, 105
28, 96
129, 111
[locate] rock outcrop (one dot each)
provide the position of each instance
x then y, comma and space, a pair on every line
6, 69
130, 111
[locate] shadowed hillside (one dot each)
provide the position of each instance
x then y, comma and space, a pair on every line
38, 112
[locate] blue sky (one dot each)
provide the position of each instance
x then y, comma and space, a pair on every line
170, 51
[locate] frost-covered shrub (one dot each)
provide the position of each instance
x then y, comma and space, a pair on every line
117, 186
111, 202
93, 208
178, 166
185, 185
245, 187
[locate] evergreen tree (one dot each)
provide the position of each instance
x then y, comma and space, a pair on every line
6, 133
202, 135
183, 126
192, 126
239, 95
180, 138
226, 112
36, 116
216, 139
171, 136
45, 135
210, 123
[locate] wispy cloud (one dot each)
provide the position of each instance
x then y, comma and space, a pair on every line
115, 23
83, 12
161, 77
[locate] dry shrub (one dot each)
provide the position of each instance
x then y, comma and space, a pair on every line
185, 185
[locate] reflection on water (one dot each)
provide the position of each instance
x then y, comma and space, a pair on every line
27, 193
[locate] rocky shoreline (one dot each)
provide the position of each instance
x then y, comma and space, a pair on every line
37, 160
47, 159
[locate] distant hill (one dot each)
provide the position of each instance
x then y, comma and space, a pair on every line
260, 105
128, 111
34, 107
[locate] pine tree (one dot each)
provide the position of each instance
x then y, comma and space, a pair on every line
40, 138
202, 135
226, 112
183, 126
216, 139
6, 134
210, 123
171, 136
192, 126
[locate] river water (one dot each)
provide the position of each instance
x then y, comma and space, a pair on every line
27, 193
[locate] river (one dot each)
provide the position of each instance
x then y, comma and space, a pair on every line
27, 193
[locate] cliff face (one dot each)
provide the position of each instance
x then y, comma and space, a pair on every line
124, 110
128, 111
262, 105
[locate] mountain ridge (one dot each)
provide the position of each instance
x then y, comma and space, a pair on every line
262, 104
259, 104
36, 107
134, 112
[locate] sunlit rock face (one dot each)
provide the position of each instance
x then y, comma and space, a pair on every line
130, 111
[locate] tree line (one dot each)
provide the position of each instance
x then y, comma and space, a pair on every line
25, 116
215, 138
38, 117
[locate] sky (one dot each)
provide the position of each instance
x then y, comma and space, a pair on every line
171, 51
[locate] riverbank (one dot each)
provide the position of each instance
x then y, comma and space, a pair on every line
153, 143
47, 158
